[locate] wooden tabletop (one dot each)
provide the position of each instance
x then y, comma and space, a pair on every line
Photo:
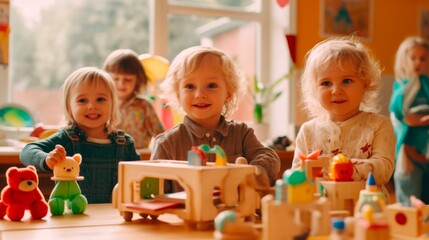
100, 221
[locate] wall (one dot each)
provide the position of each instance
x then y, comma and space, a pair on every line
4, 49
393, 20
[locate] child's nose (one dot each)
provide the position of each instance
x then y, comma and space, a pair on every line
91, 104
120, 83
200, 92
336, 89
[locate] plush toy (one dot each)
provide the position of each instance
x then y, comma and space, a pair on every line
67, 190
22, 193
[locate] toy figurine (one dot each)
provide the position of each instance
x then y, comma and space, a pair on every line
67, 190
22, 193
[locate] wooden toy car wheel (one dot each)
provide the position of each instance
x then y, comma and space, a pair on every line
127, 216
143, 215
154, 217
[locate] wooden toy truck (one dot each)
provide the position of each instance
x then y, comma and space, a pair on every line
199, 183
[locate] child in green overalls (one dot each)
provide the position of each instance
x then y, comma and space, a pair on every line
90, 105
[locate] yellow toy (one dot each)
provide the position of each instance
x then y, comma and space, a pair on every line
299, 189
291, 217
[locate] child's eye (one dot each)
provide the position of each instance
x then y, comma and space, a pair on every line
212, 85
101, 99
347, 81
82, 100
325, 83
189, 86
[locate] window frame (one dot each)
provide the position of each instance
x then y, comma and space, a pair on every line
158, 28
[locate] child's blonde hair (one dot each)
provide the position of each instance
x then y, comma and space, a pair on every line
188, 61
348, 54
126, 61
91, 77
402, 68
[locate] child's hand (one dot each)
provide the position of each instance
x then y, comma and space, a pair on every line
425, 120
261, 177
56, 155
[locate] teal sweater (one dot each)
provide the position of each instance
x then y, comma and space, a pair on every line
99, 164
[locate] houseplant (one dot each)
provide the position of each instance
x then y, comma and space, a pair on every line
264, 94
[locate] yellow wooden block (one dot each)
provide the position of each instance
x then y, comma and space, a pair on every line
301, 193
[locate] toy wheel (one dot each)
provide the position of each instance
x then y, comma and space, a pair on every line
127, 216
143, 215
154, 217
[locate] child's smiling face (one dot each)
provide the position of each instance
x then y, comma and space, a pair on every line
91, 108
203, 93
340, 91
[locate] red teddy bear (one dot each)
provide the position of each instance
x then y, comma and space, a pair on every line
22, 193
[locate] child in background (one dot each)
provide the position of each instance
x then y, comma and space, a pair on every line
139, 118
205, 83
90, 105
411, 125
340, 83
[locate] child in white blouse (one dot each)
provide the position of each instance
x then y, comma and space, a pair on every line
340, 83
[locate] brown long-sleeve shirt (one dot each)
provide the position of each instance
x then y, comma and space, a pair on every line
235, 138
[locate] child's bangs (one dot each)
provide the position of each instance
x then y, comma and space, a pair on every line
93, 81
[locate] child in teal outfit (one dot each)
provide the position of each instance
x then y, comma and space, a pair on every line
90, 105
409, 107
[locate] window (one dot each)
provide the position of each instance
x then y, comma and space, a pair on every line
51, 38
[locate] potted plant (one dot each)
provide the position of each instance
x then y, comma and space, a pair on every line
263, 95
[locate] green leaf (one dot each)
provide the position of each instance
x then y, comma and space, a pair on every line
263, 95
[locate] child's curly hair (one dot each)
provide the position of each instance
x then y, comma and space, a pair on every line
348, 54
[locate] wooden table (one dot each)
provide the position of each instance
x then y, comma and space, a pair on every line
100, 221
